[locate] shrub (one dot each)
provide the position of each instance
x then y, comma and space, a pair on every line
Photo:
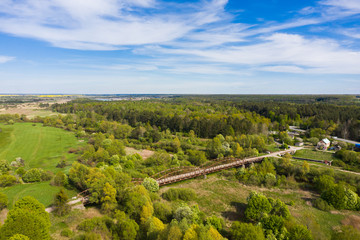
216, 222
60, 179
151, 184
185, 194
37, 175
322, 205
93, 224
66, 233
270, 180
7, 180
19, 237
299, 232
246, 231
3, 201
33, 175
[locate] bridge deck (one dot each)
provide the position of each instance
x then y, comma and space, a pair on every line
234, 163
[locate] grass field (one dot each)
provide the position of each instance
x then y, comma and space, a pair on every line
316, 155
40, 147
43, 192
212, 200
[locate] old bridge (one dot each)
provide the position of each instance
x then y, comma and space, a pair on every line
182, 173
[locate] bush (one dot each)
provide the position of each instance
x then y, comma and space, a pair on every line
3, 201
60, 179
322, 205
66, 233
37, 175
185, 194
19, 237
246, 231
7, 180
270, 180
151, 184
93, 224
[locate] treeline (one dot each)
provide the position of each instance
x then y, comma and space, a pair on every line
206, 120
336, 119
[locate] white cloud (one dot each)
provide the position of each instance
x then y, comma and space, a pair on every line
102, 24
281, 51
4, 59
353, 5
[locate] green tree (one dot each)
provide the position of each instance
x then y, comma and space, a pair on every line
124, 227
196, 157
258, 206
324, 183
28, 217
78, 174
246, 231
61, 207
109, 198
335, 196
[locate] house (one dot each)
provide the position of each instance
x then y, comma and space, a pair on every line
299, 142
323, 144
293, 134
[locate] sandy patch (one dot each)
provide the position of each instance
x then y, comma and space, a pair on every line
352, 220
144, 153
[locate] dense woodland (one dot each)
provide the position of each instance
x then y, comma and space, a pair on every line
187, 131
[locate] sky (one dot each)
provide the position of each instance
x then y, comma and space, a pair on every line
180, 47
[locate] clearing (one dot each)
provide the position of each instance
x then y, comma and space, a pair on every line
212, 200
43, 192
40, 147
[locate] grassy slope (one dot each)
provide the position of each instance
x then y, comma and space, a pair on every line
40, 147
313, 154
228, 199
43, 192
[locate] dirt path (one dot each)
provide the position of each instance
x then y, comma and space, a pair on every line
71, 203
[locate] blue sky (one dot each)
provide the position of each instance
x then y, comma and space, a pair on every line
204, 46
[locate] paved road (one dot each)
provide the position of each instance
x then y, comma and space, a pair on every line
297, 129
345, 140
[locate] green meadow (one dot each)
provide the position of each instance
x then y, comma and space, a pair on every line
40, 147
43, 192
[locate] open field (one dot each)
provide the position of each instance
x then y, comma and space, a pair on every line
316, 155
40, 147
212, 200
31, 109
43, 192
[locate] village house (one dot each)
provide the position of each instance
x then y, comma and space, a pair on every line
323, 144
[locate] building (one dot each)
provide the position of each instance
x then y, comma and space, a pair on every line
323, 144
299, 142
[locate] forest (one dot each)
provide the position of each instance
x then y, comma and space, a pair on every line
187, 132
